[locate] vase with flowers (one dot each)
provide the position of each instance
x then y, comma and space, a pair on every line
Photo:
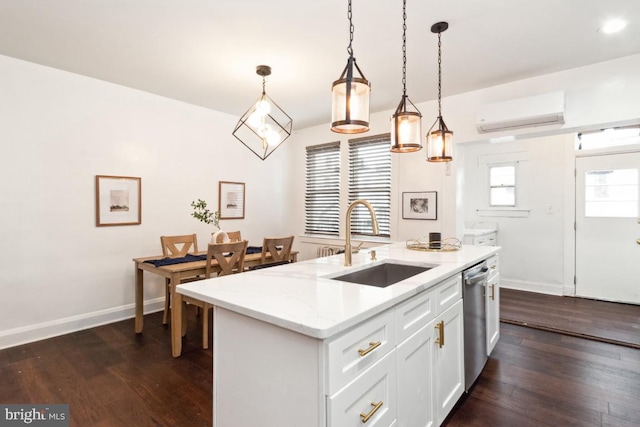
202, 213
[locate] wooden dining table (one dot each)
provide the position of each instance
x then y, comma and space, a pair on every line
176, 273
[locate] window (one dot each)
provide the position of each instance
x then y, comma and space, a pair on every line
611, 193
608, 138
322, 189
502, 185
370, 179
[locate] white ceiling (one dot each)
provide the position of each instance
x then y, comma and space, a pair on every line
205, 52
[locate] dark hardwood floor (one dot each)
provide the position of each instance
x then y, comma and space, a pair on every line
112, 377
540, 378
600, 320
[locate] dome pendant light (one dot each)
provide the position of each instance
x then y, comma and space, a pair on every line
264, 126
406, 121
350, 95
440, 139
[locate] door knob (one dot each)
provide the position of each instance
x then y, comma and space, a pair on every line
638, 241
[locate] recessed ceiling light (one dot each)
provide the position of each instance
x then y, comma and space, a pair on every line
613, 26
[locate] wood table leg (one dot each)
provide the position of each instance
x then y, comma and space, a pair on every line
176, 318
139, 295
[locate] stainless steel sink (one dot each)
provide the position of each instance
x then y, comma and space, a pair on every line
383, 275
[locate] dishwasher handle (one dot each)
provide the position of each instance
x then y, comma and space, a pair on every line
481, 276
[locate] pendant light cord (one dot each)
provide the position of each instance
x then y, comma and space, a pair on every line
350, 15
404, 48
439, 75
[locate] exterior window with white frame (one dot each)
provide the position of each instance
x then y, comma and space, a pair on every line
502, 185
370, 179
322, 189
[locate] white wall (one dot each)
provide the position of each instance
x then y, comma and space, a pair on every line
410, 173
57, 131
595, 95
533, 248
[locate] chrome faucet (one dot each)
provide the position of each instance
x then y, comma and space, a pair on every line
374, 225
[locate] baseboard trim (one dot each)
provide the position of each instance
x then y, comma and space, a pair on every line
570, 333
41, 331
521, 285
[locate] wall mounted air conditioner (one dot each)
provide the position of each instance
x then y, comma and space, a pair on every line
540, 110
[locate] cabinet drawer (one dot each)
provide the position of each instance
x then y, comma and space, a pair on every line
357, 350
447, 293
415, 314
486, 239
493, 265
374, 388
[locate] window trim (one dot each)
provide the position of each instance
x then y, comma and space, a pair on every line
521, 210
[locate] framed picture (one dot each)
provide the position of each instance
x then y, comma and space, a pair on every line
231, 200
118, 200
420, 205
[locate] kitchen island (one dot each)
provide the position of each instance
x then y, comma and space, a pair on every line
288, 341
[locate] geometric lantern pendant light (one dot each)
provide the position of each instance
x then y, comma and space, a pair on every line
265, 126
439, 138
406, 121
350, 95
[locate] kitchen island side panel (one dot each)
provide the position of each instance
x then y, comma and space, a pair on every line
264, 375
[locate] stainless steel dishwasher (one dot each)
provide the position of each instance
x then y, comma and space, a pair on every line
475, 322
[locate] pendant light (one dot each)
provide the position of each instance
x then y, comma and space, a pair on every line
350, 95
265, 126
440, 139
406, 121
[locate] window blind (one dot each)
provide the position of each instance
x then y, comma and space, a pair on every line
370, 179
322, 189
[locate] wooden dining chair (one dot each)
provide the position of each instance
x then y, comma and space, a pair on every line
176, 247
278, 247
232, 263
179, 246
234, 236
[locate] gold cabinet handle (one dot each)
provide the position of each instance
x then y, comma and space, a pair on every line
372, 346
376, 406
440, 339
638, 241
493, 291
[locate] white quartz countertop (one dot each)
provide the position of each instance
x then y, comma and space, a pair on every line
478, 231
302, 296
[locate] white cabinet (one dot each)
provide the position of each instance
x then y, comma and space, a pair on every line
447, 293
354, 352
492, 299
415, 379
370, 399
403, 367
480, 237
415, 319
431, 361
426, 351
448, 360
